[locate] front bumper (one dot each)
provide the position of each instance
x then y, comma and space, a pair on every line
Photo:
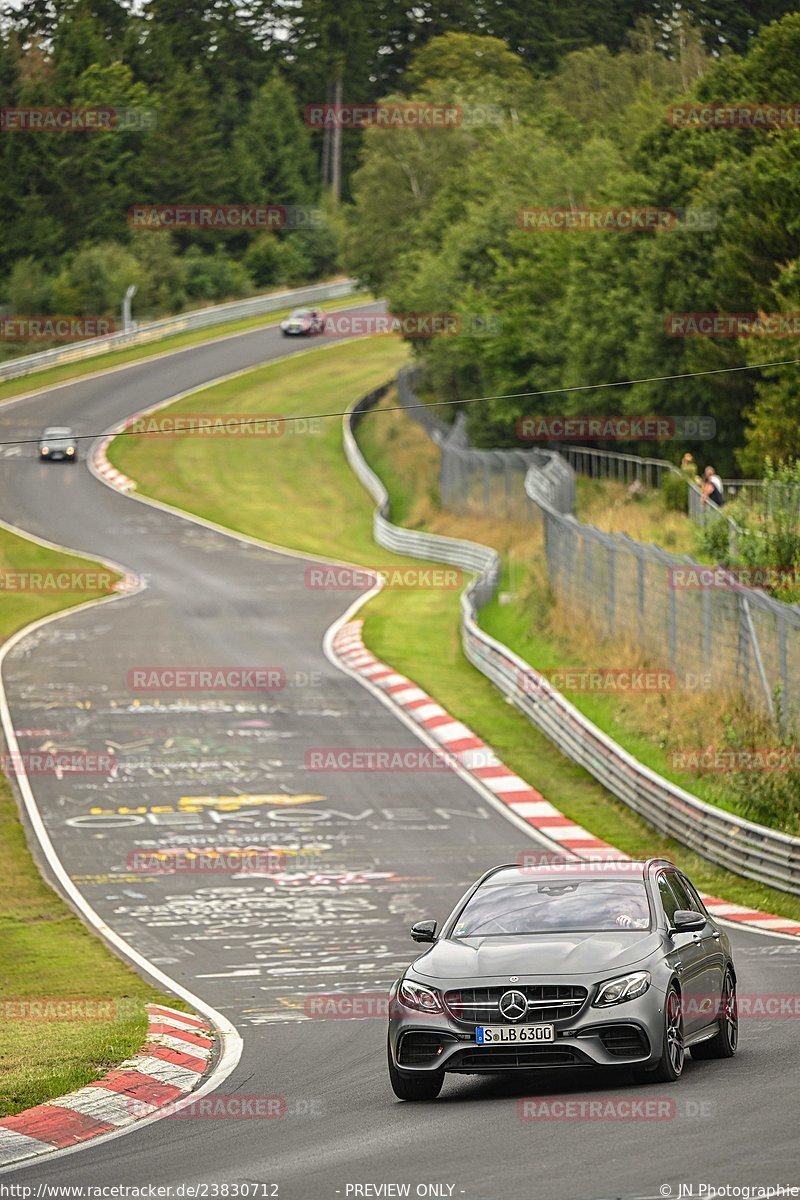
627, 1034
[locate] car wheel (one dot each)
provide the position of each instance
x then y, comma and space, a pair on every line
414, 1087
725, 1040
673, 1055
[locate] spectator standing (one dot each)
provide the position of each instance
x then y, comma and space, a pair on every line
712, 488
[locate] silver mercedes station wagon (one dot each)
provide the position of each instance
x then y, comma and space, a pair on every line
573, 964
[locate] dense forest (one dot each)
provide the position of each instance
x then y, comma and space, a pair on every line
437, 229
431, 218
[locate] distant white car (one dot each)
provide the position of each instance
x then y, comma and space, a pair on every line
58, 443
303, 322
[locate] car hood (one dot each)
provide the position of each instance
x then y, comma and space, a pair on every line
539, 954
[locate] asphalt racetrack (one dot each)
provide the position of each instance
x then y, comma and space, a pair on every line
366, 854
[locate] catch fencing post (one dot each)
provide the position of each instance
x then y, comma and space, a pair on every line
611, 560
783, 658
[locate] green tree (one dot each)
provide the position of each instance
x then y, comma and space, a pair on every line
272, 158
93, 281
182, 160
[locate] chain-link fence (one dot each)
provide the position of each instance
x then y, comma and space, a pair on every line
682, 613
752, 850
488, 482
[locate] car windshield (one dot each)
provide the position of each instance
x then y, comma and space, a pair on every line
555, 906
54, 434
299, 314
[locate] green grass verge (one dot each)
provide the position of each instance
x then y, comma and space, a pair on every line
259, 487
608, 505
510, 623
51, 376
48, 954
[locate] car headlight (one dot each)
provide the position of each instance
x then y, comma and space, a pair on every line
45, 449
70, 449
419, 997
624, 987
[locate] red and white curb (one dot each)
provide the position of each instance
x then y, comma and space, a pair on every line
104, 468
480, 761
170, 1065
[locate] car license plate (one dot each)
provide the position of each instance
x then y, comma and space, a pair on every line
495, 1035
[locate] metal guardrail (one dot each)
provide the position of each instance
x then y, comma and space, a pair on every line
470, 556
219, 314
741, 846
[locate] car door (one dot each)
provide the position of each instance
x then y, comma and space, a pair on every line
710, 941
685, 955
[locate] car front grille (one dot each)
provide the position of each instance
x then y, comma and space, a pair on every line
546, 1002
504, 1057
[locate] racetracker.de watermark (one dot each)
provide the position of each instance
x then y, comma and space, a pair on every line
611, 1108
77, 579
616, 220
225, 860
775, 115
735, 325
593, 864
595, 679
634, 680
731, 579
57, 762
54, 329
211, 425
407, 114
206, 679
411, 325
214, 1108
360, 1006
755, 1005
726, 759
347, 1006
57, 1008
59, 119
344, 579
224, 216
347, 758
565, 428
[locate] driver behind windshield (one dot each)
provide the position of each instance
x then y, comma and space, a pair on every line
555, 907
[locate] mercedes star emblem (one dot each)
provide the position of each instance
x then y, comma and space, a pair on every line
513, 1005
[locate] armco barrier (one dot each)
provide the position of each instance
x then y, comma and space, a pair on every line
154, 331
744, 847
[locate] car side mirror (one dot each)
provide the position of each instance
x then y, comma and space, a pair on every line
686, 921
424, 931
